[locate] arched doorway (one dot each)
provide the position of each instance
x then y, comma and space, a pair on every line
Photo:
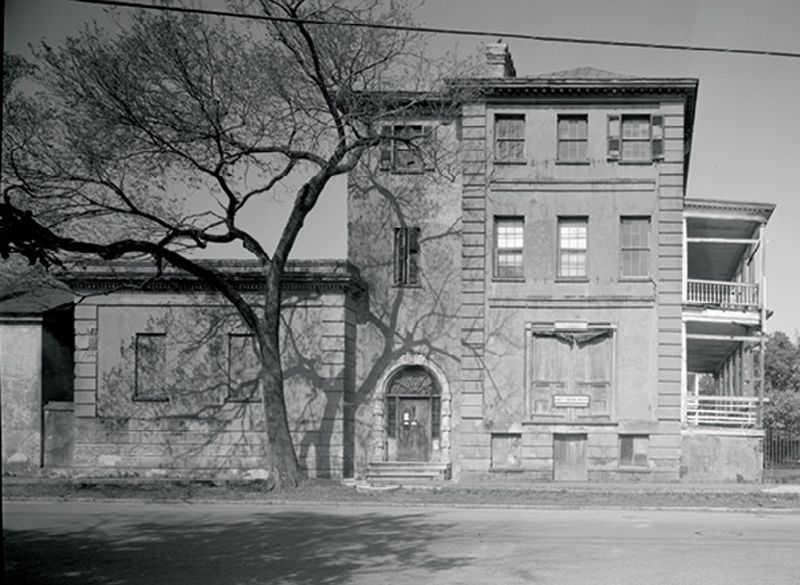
413, 413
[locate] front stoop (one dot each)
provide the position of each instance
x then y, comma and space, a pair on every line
394, 471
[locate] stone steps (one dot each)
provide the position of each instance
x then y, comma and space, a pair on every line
407, 471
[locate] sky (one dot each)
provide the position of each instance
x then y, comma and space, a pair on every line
745, 145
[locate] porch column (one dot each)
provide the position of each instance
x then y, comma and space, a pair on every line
684, 363
763, 300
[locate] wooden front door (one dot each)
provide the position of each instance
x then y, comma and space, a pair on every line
569, 457
413, 429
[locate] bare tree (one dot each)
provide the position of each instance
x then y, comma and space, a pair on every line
156, 140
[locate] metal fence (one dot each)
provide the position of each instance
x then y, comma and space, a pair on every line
781, 450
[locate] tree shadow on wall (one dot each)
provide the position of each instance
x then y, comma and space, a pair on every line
287, 547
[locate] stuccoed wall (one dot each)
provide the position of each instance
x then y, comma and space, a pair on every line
21, 383
722, 456
199, 431
406, 325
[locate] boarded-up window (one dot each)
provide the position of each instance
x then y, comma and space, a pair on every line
633, 450
509, 137
151, 366
508, 247
573, 138
571, 374
634, 235
406, 255
506, 451
572, 242
243, 368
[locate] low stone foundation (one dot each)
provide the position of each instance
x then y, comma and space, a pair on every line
719, 455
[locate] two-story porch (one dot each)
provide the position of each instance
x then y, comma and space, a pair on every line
724, 315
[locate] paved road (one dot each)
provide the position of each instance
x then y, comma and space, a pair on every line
118, 543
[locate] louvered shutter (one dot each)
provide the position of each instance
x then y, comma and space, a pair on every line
657, 125
614, 142
399, 255
385, 163
412, 256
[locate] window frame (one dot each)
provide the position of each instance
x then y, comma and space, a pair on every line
498, 220
646, 249
393, 137
159, 394
640, 438
405, 256
568, 140
498, 117
615, 140
562, 222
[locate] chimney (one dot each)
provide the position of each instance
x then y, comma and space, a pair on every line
498, 60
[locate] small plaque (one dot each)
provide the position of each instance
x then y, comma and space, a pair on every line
571, 400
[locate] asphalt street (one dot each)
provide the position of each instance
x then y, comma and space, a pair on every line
122, 543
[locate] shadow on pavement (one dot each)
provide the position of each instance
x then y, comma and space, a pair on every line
294, 548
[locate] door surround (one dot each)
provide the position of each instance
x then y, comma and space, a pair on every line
379, 444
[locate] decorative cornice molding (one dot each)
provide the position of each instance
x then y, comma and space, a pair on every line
299, 276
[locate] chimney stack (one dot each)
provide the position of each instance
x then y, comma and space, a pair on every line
498, 60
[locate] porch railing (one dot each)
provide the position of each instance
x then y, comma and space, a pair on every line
722, 411
722, 294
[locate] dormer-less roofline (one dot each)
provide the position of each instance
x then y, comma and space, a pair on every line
745, 210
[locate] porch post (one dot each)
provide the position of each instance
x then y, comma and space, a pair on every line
684, 373
763, 300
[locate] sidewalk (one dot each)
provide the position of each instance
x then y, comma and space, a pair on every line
477, 494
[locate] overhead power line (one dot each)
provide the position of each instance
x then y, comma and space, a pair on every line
449, 31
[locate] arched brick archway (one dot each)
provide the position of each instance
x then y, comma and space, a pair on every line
401, 391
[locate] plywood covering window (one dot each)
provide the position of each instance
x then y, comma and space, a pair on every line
573, 138
509, 137
244, 368
572, 243
634, 236
509, 237
406, 256
571, 374
151, 366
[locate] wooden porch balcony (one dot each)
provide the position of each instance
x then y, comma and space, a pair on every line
716, 293
722, 411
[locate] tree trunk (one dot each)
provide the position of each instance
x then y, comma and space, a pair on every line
284, 468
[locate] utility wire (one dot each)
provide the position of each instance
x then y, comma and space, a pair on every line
448, 31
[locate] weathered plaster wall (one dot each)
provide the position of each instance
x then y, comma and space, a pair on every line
21, 384
405, 323
721, 456
199, 430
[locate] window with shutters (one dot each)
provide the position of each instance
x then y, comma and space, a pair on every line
151, 367
571, 373
572, 242
634, 254
406, 148
244, 368
635, 138
406, 256
509, 137
573, 138
508, 248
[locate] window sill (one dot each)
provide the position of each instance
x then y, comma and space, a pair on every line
406, 172
634, 279
566, 279
586, 162
632, 469
640, 163
516, 279
142, 399
510, 162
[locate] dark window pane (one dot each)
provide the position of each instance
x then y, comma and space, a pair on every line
243, 368
151, 362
